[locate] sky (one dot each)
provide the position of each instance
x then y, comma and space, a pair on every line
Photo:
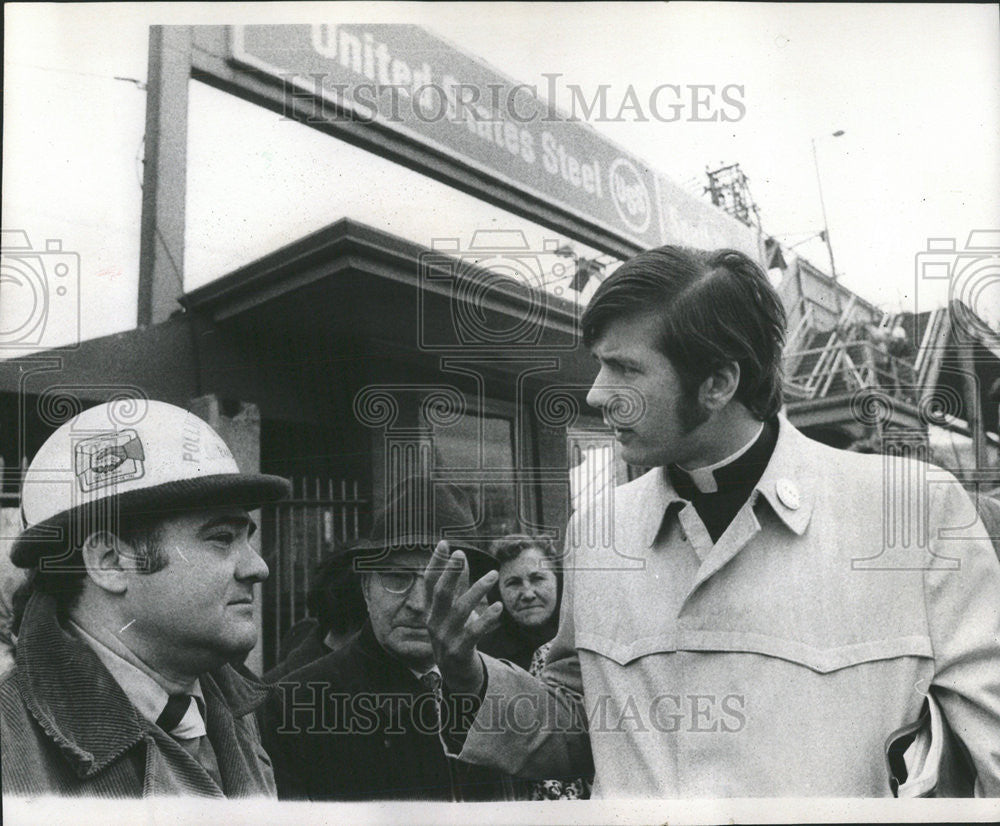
913, 88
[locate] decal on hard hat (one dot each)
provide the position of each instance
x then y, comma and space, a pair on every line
109, 458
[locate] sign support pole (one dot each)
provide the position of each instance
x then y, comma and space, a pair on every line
164, 181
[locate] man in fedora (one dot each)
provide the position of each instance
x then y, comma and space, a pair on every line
362, 723
140, 593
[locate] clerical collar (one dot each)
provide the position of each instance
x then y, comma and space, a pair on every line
703, 478
738, 470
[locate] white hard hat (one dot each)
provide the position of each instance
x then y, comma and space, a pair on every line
132, 456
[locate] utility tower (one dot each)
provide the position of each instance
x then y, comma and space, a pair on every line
730, 190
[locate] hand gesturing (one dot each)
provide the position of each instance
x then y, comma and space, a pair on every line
456, 622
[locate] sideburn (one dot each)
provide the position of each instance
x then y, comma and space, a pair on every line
691, 413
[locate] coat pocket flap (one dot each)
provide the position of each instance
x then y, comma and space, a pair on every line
625, 651
823, 660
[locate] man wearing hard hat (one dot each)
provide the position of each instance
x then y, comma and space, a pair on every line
141, 588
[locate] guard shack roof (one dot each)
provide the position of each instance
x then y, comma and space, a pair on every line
346, 300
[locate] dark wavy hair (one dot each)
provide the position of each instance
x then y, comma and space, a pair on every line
65, 580
335, 598
714, 308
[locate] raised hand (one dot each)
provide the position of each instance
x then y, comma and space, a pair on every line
454, 621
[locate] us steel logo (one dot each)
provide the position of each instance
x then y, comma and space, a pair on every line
630, 196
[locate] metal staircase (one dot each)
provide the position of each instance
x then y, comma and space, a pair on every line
851, 356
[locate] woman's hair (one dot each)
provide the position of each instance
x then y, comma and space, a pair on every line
513, 545
335, 598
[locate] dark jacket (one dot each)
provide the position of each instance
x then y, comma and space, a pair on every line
357, 725
517, 643
307, 645
307, 648
67, 728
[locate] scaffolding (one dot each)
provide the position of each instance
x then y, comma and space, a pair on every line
729, 189
859, 352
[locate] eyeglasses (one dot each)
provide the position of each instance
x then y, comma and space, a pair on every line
398, 582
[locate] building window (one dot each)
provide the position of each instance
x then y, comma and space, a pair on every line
477, 454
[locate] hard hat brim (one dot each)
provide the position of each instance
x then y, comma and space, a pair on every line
250, 491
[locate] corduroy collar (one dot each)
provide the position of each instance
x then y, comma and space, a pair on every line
79, 705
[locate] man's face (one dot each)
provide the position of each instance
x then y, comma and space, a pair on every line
399, 620
628, 358
197, 611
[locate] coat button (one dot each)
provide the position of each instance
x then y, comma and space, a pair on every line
788, 494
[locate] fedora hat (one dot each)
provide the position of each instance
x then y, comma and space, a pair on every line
418, 513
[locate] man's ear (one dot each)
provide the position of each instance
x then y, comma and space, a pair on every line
366, 584
102, 554
718, 389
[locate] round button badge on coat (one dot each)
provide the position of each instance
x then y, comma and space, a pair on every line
788, 494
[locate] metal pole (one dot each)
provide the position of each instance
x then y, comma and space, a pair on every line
161, 228
822, 205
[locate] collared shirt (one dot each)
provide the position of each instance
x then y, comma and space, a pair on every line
704, 477
142, 689
773, 662
719, 491
422, 675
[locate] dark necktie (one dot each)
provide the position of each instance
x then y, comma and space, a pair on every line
198, 747
174, 711
431, 681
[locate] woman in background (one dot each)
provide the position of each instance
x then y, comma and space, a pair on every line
530, 586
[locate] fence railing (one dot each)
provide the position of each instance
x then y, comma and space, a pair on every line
848, 366
296, 533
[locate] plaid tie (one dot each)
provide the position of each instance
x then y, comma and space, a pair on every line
174, 711
431, 681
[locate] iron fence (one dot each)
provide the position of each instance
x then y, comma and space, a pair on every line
296, 534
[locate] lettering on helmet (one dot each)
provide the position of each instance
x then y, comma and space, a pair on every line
196, 447
191, 441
